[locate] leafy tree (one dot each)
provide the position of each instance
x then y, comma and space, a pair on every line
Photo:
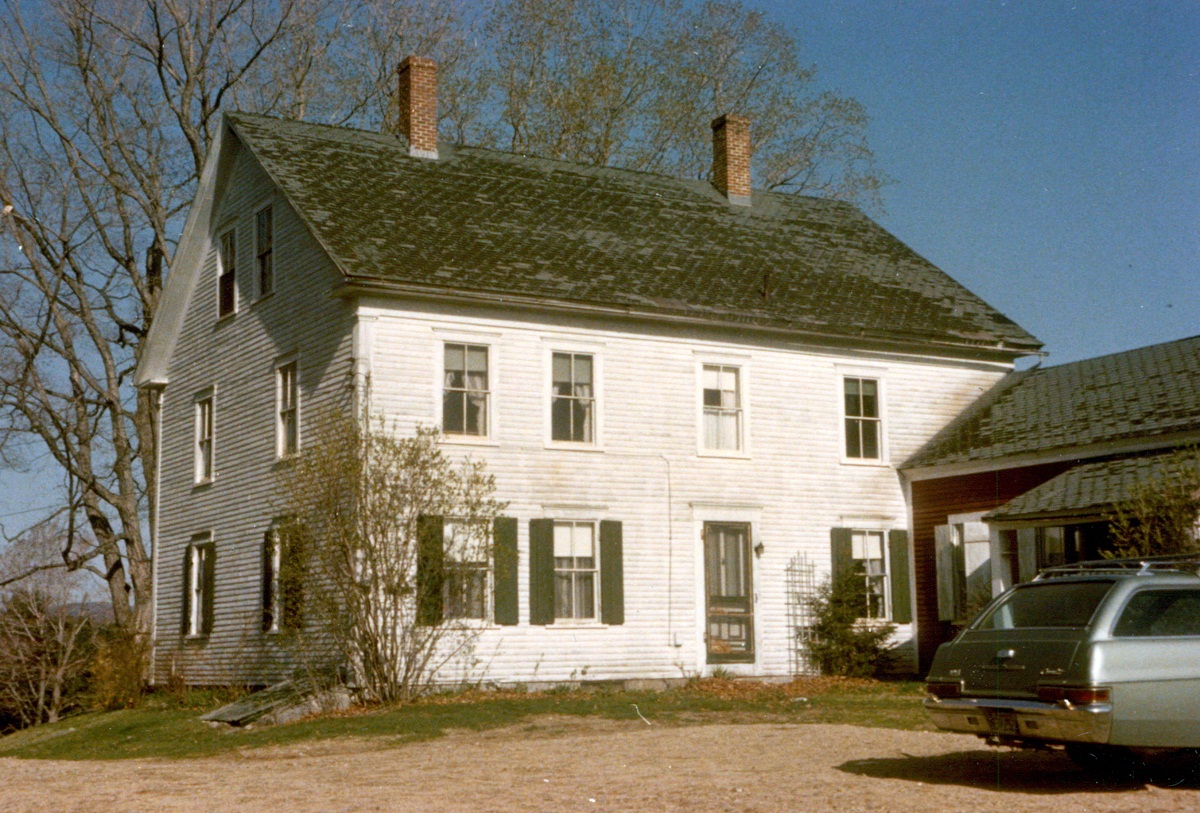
1160, 516
634, 83
359, 500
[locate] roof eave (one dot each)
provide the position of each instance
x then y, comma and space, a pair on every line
957, 468
1072, 516
1001, 352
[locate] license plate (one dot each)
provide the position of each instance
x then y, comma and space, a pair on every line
1003, 723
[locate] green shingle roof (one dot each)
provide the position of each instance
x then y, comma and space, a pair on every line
1089, 490
483, 221
1145, 393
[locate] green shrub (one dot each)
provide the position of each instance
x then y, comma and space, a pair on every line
844, 644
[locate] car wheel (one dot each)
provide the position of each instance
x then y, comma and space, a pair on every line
1107, 761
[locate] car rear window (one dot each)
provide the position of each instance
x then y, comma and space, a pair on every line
1047, 604
1155, 613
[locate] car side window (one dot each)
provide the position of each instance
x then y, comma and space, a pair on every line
1160, 613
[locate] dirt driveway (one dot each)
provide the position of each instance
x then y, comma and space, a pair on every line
573, 764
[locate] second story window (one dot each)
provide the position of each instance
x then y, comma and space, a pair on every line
722, 408
862, 418
204, 438
287, 402
465, 390
264, 238
572, 400
227, 274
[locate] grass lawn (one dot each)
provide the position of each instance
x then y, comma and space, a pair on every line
169, 728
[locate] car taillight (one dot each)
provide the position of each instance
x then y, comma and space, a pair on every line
944, 690
1076, 696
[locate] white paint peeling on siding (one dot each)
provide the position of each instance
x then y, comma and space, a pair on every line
238, 356
792, 484
794, 470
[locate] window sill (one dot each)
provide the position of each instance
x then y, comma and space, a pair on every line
468, 440
195, 640
286, 460
224, 320
473, 624
727, 455
571, 624
202, 485
263, 298
867, 462
875, 623
567, 446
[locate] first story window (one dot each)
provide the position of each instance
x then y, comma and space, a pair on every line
283, 557
199, 570
576, 571
466, 570
722, 408
1028, 549
874, 565
963, 559
573, 398
1052, 548
227, 274
862, 418
204, 438
287, 410
867, 552
465, 389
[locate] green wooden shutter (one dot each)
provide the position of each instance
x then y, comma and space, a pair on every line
268, 580
210, 587
294, 547
541, 571
898, 575
612, 573
186, 605
504, 555
842, 551
430, 570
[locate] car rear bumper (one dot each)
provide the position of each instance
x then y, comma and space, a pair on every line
1023, 719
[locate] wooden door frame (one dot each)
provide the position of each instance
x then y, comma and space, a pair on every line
751, 655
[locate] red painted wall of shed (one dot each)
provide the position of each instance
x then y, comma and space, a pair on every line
935, 500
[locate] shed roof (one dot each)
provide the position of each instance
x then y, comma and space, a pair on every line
1091, 490
1150, 392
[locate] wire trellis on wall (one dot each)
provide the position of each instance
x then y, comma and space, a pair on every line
801, 588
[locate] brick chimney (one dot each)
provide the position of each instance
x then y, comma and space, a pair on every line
417, 97
731, 157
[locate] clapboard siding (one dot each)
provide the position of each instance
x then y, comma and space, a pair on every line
792, 484
237, 357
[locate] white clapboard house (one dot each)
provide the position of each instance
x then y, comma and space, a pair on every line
693, 396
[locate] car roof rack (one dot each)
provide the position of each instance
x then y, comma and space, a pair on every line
1140, 565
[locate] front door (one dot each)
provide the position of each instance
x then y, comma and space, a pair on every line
729, 595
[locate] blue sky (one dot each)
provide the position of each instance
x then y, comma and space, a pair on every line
1045, 154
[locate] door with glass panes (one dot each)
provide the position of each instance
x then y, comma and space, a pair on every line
729, 594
